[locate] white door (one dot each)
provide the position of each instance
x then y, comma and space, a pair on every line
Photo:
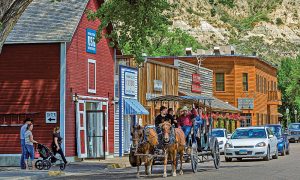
81, 129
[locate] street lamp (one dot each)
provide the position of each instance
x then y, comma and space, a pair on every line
295, 112
287, 111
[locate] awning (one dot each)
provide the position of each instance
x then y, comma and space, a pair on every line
133, 107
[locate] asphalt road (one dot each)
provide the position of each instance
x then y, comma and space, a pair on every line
286, 167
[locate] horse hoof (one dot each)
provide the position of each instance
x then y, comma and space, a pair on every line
174, 174
165, 175
181, 172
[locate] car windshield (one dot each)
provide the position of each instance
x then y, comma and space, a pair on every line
276, 130
294, 126
249, 133
217, 133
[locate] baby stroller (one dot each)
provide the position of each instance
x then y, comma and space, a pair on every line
48, 159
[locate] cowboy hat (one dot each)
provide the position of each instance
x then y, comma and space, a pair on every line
184, 108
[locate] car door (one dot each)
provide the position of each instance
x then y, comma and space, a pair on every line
273, 141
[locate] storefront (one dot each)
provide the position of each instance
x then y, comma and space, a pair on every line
128, 109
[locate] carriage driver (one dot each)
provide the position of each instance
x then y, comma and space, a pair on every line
160, 118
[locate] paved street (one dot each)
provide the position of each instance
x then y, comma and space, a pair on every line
284, 168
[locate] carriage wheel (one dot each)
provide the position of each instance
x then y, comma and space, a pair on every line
132, 158
194, 157
39, 165
46, 164
216, 154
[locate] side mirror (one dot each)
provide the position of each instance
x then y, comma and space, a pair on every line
228, 136
271, 136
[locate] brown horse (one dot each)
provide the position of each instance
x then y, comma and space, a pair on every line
172, 148
144, 139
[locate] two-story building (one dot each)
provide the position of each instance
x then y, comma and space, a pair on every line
52, 70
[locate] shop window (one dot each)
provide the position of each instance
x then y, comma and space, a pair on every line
220, 82
257, 83
245, 81
265, 85
91, 76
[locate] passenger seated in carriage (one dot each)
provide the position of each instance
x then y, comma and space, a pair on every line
198, 122
185, 121
170, 116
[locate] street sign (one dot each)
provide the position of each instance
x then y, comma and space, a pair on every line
51, 117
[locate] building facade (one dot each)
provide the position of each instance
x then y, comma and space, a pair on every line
60, 77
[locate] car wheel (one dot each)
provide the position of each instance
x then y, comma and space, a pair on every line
288, 151
239, 159
267, 157
227, 159
276, 154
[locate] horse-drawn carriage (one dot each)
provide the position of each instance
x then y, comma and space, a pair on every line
198, 147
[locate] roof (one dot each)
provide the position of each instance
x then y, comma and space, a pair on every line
212, 56
48, 21
216, 104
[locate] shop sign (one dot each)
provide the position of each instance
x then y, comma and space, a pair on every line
196, 79
91, 41
51, 117
245, 103
150, 96
196, 83
130, 85
158, 85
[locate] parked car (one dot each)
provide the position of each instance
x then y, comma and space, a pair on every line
283, 145
251, 142
294, 132
221, 135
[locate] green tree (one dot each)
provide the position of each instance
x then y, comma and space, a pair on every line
289, 84
134, 23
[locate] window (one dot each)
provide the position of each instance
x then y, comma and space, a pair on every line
257, 83
91, 76
257, 119
220, 82
268, 86
245, 81
15, 119
261, 85
265, 85
272, 85
275, 86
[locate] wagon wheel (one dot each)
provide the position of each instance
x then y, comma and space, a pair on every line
132, 158
216, 154
194, 157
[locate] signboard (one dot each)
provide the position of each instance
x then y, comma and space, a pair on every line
130, 86
150, 96
196, 79
158, 85
51, 117
246, 103
91, 41
196, 88
196, 83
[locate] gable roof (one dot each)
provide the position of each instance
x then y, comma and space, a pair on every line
48, 21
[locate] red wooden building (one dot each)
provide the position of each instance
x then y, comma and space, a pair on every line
52, 70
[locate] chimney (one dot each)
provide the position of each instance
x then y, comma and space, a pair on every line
188, 51
232, 50
217, 50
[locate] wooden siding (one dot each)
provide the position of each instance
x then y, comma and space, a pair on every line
156, 71
76, 80
29, 82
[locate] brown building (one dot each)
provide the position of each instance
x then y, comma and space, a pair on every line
246, 82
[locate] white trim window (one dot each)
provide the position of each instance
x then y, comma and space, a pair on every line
91, 76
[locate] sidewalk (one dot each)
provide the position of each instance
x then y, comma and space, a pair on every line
77, 168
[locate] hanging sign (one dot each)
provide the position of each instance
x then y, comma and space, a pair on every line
196, 79
91, 41
158, 85
196, 83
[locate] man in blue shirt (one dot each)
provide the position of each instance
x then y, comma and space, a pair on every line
22, 139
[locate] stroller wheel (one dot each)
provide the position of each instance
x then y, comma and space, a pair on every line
62, 166
39, 165
47, 164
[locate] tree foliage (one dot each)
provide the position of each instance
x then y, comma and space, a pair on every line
289, 84
135, 23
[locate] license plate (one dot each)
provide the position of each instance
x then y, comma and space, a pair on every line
243, 152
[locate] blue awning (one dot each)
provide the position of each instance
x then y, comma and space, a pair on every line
133, 107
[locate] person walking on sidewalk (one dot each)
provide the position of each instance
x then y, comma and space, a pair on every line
56, 144
22, 139
29, 146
